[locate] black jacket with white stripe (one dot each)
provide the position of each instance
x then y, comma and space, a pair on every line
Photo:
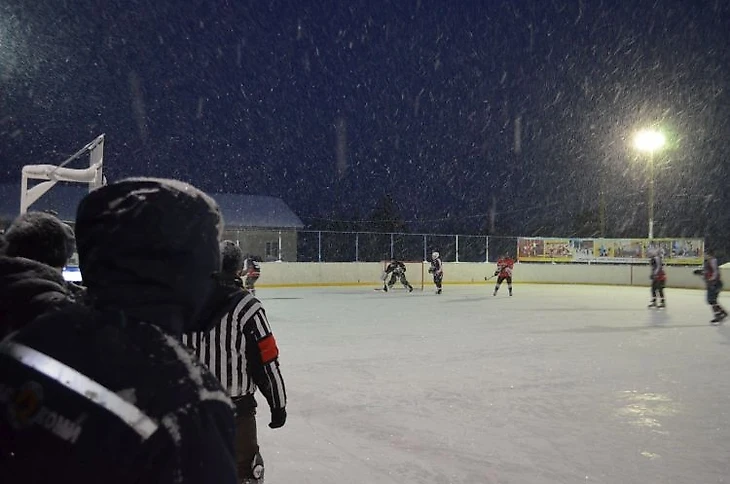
240, 348
96, 398
106, 392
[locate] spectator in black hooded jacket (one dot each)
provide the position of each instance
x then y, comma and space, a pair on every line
105, 391
36, 247
43, 237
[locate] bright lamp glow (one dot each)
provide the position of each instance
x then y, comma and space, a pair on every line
649, 140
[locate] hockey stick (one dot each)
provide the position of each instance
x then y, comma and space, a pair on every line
490, 277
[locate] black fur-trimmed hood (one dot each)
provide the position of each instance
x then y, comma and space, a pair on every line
149, 248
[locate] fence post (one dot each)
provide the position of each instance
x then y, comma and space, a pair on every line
357, 245
279, 258
457, 248
392, 252
486, 251
425, 249
319, 245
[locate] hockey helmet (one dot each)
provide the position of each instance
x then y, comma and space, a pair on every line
435, 255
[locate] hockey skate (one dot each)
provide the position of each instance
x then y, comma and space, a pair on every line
385, 288
662, 304
652, 304
410, 288
719, 317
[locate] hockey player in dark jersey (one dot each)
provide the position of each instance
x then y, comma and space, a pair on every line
437, 271
105, 391
711, 273
241, 351
505, 264
658, 278
397, 271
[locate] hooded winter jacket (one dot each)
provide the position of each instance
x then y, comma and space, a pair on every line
28, 289
105, 392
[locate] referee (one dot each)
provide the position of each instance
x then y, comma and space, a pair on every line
241, 351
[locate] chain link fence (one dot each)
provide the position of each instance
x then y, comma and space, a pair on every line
329, 246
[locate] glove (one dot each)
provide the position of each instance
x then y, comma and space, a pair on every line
278, 418
496, 273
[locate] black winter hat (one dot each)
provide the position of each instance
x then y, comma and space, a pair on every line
146, 244
42, 237
231, 258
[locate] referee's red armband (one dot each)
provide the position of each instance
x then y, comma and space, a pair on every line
269, 350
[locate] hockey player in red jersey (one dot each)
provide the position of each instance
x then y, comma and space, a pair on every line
658, 278
252, 272
713, 282
505, 264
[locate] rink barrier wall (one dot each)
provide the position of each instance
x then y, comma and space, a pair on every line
294, 274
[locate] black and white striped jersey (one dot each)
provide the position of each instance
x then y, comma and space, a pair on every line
242, 352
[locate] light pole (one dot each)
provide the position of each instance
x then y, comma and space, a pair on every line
650, 141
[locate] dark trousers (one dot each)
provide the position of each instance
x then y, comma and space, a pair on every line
657, 289
250, 282
395, 277
501, 279
713, 291
247, 442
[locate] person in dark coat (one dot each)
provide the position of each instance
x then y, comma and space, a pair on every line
34, 251
28, 289
43, 237
104, 391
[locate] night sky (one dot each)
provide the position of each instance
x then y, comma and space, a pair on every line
455, 109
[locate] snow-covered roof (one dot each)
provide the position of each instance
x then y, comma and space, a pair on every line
244, 211
256, 211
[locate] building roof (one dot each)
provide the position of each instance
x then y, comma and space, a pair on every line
243, 211
256, 211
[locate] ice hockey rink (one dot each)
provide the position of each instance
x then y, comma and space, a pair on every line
557, 384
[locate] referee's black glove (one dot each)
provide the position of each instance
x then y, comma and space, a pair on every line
278, 418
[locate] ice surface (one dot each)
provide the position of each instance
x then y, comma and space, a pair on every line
557, 384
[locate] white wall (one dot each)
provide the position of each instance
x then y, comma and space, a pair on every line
368, 273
